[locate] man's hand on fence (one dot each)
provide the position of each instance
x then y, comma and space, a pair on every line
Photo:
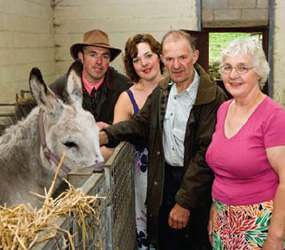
103, 138
102, 125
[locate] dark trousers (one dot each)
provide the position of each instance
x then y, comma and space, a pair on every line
169, 238
195, 235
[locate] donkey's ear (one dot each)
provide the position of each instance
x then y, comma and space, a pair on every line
73, 91
45, 98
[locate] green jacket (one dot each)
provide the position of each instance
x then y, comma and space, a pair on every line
146, 127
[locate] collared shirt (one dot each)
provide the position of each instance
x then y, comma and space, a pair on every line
90, 86
178, 109
91, 90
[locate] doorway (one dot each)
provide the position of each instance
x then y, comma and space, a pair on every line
210, 42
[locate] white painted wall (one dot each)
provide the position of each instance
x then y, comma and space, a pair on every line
26, 40
120, 19
40, 32
33, 33
279, 53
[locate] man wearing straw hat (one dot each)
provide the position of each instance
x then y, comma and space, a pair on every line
102, 84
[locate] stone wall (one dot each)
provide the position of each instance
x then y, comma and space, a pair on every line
233, 13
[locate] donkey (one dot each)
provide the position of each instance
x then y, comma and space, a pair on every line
30, 149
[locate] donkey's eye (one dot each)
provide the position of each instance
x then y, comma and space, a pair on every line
70, 144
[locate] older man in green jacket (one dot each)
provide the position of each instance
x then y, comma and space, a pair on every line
176, 123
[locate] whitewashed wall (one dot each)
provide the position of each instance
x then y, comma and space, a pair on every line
26, 40
120, 19
40, 33
279, 53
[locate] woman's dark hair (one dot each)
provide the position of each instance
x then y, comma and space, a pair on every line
131, 51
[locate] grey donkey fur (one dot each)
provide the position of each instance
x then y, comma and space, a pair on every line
68, 128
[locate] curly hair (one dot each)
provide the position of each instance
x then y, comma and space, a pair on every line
131, 51
249, 47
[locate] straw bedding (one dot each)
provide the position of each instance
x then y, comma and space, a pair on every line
22, 227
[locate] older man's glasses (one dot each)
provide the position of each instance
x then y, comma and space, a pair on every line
240, 69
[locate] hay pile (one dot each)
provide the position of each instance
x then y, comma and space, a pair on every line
23, 227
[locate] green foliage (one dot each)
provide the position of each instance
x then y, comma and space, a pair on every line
219, 41
214, 69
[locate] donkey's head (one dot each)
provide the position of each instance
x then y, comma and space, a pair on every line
67, 127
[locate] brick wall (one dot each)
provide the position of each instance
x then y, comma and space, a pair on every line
233, 13
26, 40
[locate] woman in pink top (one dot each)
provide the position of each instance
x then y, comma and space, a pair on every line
247, 155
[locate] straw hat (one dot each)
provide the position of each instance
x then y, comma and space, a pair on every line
96, 38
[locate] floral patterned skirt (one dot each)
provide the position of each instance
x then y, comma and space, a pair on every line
241, 227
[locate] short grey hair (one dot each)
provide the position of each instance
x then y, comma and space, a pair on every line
175, 35
253, 48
